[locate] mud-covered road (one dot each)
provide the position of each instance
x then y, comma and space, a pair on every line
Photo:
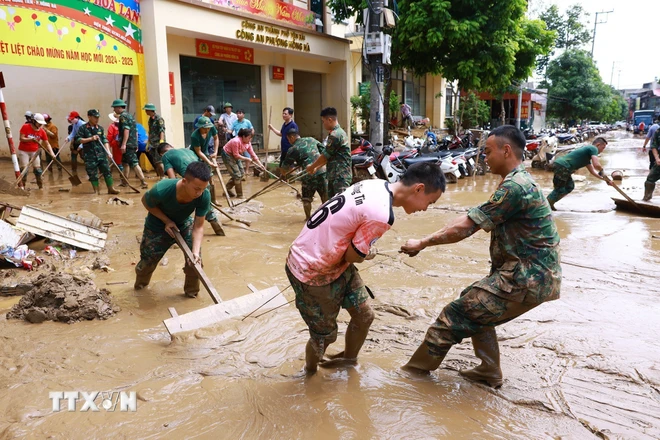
585, 366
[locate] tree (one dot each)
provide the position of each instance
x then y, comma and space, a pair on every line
570, 30
617, 109
484, 45
576, 90
474, 111
360, 105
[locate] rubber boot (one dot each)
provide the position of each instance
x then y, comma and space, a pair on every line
191, 286
142, 277
212, 191
74, 164
37, 174
239, 189
230, 185
486, 348
307, 206
24, 181
217, 228
648, 191
96, 187
109, 183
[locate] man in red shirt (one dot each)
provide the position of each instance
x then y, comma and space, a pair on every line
32, 136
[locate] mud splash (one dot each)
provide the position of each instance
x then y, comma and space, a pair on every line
584, 366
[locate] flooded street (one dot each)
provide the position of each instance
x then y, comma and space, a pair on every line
584, 366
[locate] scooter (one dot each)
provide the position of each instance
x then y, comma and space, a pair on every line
545, 155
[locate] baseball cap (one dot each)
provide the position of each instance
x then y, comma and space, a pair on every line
210, 109
73, 114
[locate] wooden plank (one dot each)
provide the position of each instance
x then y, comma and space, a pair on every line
215, 296
46, 224
643, 208
234, 308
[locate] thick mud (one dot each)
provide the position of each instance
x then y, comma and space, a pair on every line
585, 366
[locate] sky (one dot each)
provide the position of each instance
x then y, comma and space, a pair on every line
629, 39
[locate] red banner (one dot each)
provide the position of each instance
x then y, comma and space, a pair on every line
273, 9
277, 73
223, 51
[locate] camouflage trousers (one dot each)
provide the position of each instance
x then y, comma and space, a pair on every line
338, 182
314, 184
96, 160
152, 154
320, 305
130, 157
654, 174
234, 167
476, 311
563, 183
153, 247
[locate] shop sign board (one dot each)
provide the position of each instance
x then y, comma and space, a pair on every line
92, 35
525, 110
289, 88
172, 96
273, 9
224, 51
272, 36
277, 73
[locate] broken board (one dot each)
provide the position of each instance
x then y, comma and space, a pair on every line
235, 308
45, 224
645, 208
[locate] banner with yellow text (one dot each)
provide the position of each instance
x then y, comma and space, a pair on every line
88, 35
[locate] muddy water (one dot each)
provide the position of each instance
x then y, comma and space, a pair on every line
584, 365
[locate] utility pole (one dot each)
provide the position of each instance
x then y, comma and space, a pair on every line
596, 23
612, 74
519, 115
376, 50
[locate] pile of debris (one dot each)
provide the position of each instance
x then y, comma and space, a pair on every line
64, 298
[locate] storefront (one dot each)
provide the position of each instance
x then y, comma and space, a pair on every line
261, 61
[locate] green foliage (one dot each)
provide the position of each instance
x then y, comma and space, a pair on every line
577, 92
475, 112
361, 104
570, 31
617, 109
484, 45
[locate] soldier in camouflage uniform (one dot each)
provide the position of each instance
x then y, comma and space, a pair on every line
95, 150
337, 155
176, 161
156, 137
303, 152
525, 270
565, 166
170, 203
654, 174
128, 141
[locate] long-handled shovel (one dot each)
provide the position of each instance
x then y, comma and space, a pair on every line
245, 222
230, 203
258, 193
73, 178
616, 187
54, 158
222, 310
125, 180
284, 182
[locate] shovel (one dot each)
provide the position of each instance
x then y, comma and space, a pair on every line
245, 222
74, 179
53, 159
616, 187
224, 187
222, 310
119, 169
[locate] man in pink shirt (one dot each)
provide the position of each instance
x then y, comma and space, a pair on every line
320, 264
232, 156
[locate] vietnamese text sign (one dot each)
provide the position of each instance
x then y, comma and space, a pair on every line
272, 36
273, 9
277, 73
223, 51
95, 35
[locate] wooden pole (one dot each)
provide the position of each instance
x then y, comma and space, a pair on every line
266, 139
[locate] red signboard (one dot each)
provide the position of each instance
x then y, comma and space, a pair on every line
525, 110
224, 51
172, 98
277, 72
289, 87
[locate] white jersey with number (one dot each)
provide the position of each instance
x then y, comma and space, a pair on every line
357, 217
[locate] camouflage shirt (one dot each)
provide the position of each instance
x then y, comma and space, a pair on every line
338, 153
524, 241
303, 152
126, 120
156, 127
87, 131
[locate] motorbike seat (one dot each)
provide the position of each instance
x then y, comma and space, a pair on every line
411, 160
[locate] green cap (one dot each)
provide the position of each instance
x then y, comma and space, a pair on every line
204, 122
93, 112
149, 107
228, 104
118, 103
